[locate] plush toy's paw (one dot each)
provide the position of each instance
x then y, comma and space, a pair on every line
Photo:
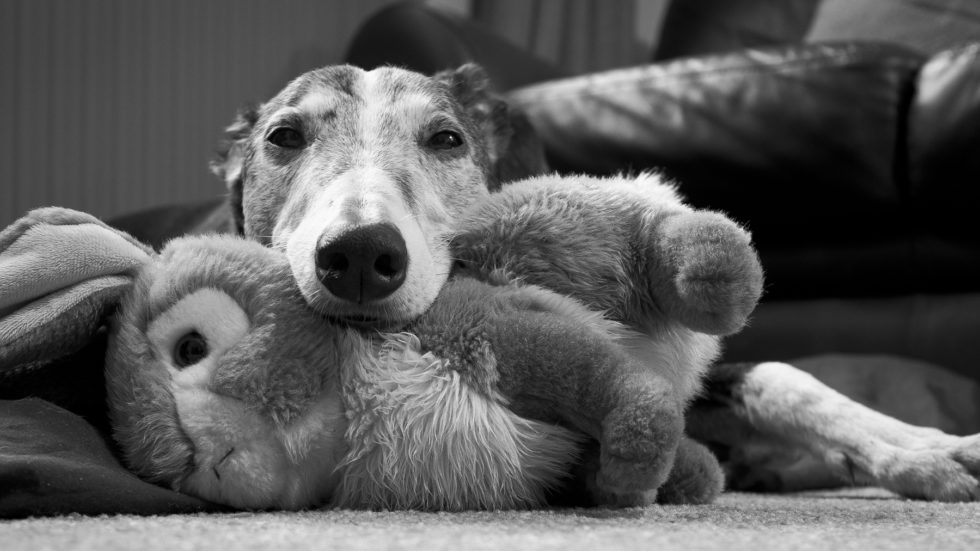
696, 478
637, 451
717, 279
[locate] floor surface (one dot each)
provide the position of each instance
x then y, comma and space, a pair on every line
864, 519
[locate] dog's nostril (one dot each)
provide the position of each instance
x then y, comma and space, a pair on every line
386, 266
336, 262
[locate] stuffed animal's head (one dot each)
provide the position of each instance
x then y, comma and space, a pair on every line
222, 383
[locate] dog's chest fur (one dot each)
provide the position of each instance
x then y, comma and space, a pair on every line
420, 438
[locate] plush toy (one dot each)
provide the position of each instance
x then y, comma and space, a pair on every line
222, 383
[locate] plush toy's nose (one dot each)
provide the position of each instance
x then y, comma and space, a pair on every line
364, 264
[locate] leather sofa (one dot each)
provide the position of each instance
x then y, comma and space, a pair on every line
855, 164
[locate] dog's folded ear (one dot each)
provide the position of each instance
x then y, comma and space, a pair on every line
229, 164
514, 149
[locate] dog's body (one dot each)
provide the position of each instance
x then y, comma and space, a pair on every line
358, 177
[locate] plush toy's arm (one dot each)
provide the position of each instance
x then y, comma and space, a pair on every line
549, 357
627, 247
710, 277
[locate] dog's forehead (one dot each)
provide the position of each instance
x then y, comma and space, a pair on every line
394, 85
328, 88
338, 79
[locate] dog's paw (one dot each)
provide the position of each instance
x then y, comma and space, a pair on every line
946, 470
637, 451
718, 276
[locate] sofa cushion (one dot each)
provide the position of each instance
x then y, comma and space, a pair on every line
941, 329
800, 142
944, 146
804, 144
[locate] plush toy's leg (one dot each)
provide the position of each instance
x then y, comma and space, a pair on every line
552, 360
596, 387
696, 477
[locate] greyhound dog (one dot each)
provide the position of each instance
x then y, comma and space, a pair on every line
358, 175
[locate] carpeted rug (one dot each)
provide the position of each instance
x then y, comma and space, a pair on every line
861, 519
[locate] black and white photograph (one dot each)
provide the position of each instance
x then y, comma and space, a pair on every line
489, 275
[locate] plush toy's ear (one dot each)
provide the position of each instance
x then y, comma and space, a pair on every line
61, 273
229, 165
513, 147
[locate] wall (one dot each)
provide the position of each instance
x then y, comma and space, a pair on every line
109, 106
578, 35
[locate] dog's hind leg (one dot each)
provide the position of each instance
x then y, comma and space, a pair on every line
758, 413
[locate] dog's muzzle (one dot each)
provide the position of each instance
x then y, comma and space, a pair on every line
363, 264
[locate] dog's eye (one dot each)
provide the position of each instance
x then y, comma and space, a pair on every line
191, 348
287, 138
446, 139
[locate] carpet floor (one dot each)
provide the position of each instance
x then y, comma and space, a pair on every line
864, 519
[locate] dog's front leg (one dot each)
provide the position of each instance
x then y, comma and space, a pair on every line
777, 406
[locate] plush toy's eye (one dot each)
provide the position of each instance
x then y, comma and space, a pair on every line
190, 349
446, 139
286, 138
192, 335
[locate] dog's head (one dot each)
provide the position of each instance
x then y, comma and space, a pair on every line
359, 175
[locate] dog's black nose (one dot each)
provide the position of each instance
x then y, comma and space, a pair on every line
363, 264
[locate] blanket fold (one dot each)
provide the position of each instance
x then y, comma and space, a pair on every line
54, 462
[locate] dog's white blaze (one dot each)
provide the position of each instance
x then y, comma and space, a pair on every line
370, 116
